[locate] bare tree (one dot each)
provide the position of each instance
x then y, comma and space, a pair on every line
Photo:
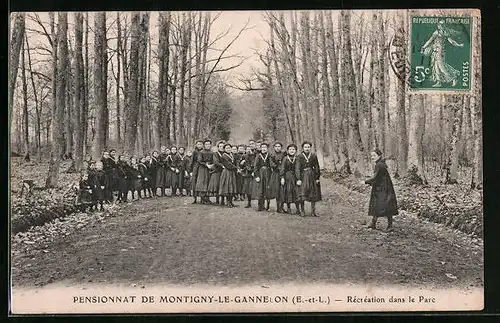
16, 42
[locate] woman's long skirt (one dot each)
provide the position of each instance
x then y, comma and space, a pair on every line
288, 192
134, 184
228, 185
260, 189
274, 186
172, 178
202, 180
214, 183
309, 191
161, 177
239, 183
246, 187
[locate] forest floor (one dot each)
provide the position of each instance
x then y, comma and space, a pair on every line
169, 240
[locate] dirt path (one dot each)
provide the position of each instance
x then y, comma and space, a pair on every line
169, 240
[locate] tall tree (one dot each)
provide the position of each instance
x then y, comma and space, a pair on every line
476, 109
163, 90
16, 42
25, 106
131, 111
79, 105
416, 134
402, 137
60, 102
100, 84
454, 103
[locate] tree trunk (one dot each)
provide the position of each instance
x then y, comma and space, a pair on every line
118, 75
383, 84
184, 40
38, 139
100, 84
16, 42
477, 109
163, 89
402, 137
452, 163
79, 106
58, 116
25, 105
132, 113
416, 171
86, 90
351, 95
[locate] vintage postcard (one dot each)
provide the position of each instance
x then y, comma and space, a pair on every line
245, 161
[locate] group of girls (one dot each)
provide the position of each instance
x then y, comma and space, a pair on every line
253, 172
113, 176
230, 173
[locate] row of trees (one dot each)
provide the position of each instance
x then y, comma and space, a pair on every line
328, 78
91, 81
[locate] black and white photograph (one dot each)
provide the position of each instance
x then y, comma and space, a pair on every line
245, 161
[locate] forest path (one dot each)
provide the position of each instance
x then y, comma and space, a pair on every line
172, 241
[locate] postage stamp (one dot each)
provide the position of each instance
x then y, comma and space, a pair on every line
440, 50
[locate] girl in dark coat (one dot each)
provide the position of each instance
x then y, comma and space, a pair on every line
153, 170
383, 198
262, 173
239, 175
145, 176
274, 179
307, 172
288, 180
161, 172
98, 180
134, 178
188, 166
172, 171
205, 164
180, 166
193, 170
108, 166
213, 185
246, 166
227, 185
122, 171
85, 199
114, 172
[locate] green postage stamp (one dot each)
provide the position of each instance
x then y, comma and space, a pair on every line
440, 51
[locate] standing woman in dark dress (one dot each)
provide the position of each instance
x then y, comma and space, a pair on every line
193, 170
205, 164
180, 166
246, 166
146, 179
161, 173
227, 185
122, 171
134, 178
98, 180
307, 172
261, 173
188, 166
239, 175
274, 179
383, 198
153, 170
172, 171
288, 180
108, 166
213, 185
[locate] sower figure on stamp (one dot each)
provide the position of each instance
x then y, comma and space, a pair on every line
288, 180
308, 173
205, 164
227, 185
274, 180
262, 173
213, 186
194, 168
383, 198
